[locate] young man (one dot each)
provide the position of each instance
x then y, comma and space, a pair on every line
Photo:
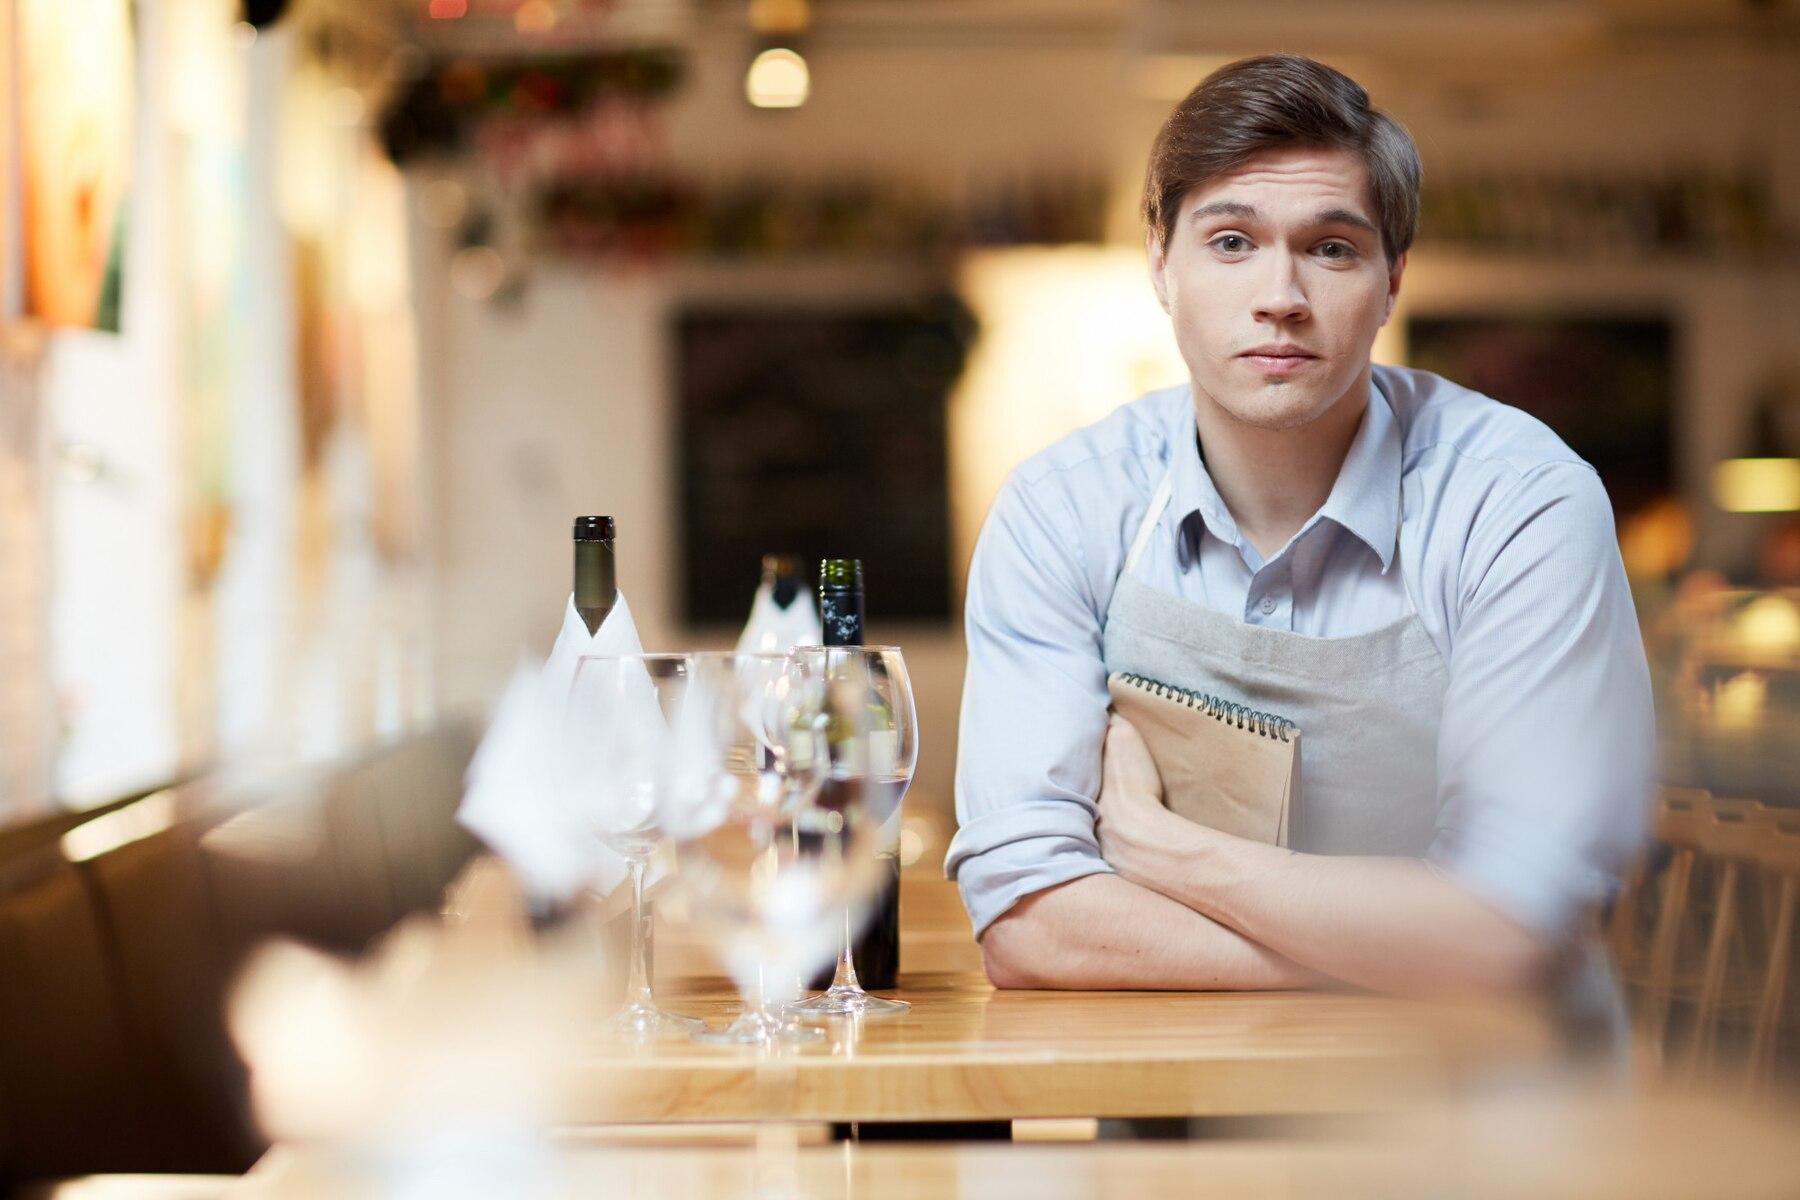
1426, 581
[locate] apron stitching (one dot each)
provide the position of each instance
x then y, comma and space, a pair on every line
1400, 627
1298, 672
1330, 647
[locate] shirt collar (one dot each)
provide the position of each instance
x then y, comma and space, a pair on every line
1191, 488
1365, 499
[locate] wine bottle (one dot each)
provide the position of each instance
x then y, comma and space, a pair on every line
841, 601
782, 615
876, 951
596, 592
596, 580
782, 575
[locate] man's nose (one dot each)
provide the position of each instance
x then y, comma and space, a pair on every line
1280, 297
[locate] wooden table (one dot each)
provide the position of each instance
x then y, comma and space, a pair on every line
967, 1052
1389, 1071
935, 938
1593, 1147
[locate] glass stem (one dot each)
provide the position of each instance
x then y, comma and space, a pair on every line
637, 989
762, 1007
845, 979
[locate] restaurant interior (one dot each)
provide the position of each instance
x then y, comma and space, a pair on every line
322, 320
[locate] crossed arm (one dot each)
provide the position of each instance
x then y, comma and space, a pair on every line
1105, 933
1191, 907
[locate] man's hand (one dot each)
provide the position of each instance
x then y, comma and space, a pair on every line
1139, 838
1392, 924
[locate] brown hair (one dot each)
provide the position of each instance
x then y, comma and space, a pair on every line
1272, 102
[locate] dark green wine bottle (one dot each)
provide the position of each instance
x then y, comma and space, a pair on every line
596, 580
841, 601
876, 951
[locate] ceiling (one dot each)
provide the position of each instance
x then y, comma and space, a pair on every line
1437, 41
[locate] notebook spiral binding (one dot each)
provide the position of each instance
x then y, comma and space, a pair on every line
1263, 724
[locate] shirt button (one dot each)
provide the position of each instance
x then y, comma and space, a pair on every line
1268, 604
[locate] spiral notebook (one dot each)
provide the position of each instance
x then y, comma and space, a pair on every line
1224, 765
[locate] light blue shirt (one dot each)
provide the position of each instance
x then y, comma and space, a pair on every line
1506, 550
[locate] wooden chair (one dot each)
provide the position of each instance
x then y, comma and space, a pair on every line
1777, 853
1630, 922
1680, 814
1623, 920
1721, 921
1728, 835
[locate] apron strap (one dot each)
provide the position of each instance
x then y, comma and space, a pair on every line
1158, 502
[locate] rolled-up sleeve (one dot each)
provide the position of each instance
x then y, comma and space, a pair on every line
1546, 752
1033, 710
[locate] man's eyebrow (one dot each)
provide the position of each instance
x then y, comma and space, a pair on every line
1227, 208
1249, 212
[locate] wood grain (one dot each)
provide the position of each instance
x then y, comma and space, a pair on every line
969, 1052
1596, 1147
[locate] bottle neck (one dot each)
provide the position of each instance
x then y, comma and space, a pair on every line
841, 614
596, 583
784, 582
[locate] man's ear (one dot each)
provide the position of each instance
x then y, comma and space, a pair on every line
1158, 264
1393, 292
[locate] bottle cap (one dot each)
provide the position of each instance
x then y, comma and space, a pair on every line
840, 573
593, 529
781, 565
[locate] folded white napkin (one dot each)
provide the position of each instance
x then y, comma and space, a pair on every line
773, 629
514, 800
551, 779
617, 635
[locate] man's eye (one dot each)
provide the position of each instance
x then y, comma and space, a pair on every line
1337, 250
1231, 243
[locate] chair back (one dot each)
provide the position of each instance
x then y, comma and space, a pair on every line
1777, 854
1726, 834
1719, 900
1680, 814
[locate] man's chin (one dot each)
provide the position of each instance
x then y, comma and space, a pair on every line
1275, 409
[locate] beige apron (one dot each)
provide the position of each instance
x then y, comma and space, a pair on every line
1368, 709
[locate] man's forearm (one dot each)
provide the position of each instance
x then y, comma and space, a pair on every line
1392, 924
1103, 932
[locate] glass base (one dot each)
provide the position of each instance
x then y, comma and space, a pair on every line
645, 1022
753, 1028
841, 1001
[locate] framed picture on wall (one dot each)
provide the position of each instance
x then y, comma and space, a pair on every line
74, 83
1605, 384
11, 282
818, 430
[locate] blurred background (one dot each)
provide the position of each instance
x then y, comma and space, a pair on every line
323, 317
320, 319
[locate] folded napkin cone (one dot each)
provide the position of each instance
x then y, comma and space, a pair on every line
562, 767
774, 629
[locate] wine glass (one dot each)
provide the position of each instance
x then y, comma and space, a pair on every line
771, 829
614, 734
892, 754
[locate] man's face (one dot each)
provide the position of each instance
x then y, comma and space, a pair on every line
1284, 251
